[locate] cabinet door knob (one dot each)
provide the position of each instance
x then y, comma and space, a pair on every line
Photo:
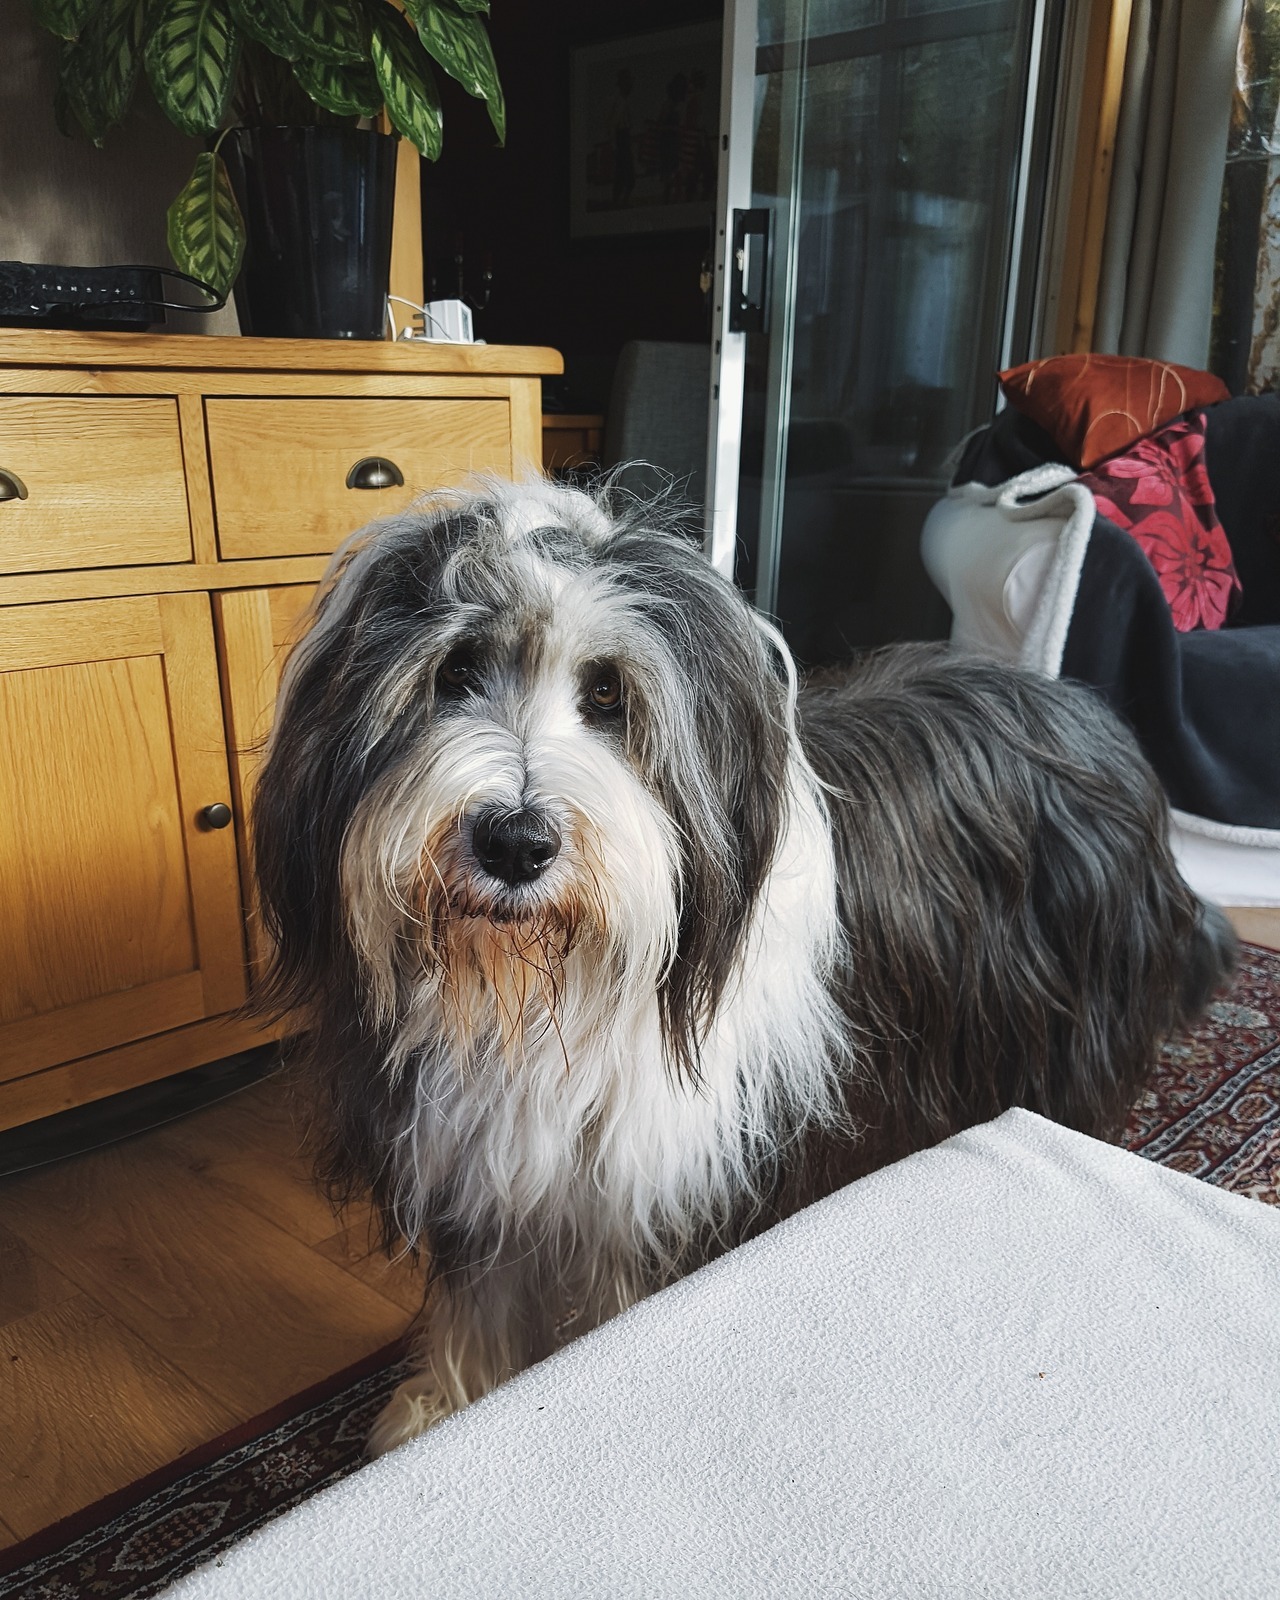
375, 472
216, 815
11, 486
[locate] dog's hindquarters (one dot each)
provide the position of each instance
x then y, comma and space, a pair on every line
1018, 932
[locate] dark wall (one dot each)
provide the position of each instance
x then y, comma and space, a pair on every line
509, 207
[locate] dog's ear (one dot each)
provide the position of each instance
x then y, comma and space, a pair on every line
742, 726
304, 797
306, 794
722, 765
333, 735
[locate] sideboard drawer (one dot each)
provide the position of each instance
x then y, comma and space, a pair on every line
280, 467
103, 480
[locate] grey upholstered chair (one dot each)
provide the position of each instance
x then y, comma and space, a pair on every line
657, 417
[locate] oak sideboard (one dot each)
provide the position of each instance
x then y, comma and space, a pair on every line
167, 505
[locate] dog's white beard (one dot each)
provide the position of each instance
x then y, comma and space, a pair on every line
481, 976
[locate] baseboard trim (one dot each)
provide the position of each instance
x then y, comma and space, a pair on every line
132, 1111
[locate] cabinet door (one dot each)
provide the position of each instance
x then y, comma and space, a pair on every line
256, 628
121, 905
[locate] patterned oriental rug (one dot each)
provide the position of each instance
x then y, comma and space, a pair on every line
144, 1537
1212, 1109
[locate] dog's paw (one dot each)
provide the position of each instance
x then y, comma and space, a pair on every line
415, 1406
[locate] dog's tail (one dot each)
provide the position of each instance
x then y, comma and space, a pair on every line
1211, 955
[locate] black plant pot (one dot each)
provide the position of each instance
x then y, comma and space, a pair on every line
317, 205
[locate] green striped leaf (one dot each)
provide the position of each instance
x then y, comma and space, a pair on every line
75, 100
113, 42
206, 230
460, 44
265, 22
64, 17
409, 88
97, 72
332, 30
191, 62
342, 87
481, 6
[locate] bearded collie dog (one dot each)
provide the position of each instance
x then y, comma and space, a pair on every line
608, 943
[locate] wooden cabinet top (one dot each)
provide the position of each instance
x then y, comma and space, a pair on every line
24, 347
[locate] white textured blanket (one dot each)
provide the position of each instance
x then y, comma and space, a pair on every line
1021, 1364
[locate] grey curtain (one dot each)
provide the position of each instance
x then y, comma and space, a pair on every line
1155, 294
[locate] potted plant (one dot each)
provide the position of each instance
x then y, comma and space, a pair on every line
295, 184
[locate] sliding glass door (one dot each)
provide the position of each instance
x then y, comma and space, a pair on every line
876, 274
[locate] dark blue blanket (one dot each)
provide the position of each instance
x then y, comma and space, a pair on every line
1204, 705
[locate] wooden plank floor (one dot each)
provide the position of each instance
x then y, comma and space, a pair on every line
1257, 924
159, 1292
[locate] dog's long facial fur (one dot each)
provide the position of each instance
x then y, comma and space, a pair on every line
592, 1065
574, 1061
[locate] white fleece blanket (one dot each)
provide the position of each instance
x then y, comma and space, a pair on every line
1021, 1364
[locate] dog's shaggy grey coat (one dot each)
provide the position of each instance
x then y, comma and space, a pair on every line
610, 944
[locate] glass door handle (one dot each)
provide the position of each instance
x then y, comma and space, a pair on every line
749, 271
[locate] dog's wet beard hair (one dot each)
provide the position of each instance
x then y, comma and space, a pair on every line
705, 724
1019, 933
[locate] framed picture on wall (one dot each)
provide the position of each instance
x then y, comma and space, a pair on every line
645, 120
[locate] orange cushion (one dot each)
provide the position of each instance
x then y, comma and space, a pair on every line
1091, 405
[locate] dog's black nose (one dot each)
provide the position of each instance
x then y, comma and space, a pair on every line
516, 846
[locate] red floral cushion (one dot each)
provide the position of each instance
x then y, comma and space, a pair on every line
1159, 491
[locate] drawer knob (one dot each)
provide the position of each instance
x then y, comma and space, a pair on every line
216, 815
12, 486
375, 472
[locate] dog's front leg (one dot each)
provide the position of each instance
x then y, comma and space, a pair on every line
477, 1336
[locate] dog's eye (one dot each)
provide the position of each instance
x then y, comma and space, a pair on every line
458, 671
604, 689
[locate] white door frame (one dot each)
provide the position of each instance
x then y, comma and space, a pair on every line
728, 352
783, 268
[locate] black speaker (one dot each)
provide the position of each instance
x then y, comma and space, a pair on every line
99, 298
